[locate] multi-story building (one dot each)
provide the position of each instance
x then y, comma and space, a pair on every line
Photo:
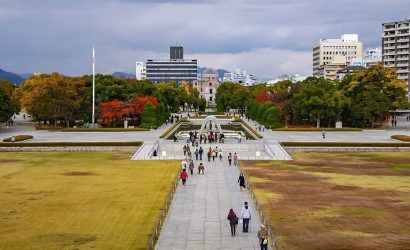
327, 50
207, 86
395, 48
239, 76
175, 69
140, 71
371, 57
329, 70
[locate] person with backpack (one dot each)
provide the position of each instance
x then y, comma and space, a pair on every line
233, 221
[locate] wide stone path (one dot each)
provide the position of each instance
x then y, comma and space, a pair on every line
197, 217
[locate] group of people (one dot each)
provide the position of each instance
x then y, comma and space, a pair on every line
245, 218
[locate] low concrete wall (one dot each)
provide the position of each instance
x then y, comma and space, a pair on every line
347, 149
69, 149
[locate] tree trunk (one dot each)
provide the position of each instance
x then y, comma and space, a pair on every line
318, 121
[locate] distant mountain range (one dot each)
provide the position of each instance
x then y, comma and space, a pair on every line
123, 75
11, 77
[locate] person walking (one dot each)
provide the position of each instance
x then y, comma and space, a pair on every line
324, 134
213, 155
233, 221
191, 167
184, 176
201, 168
235, 159
246, 217
230, 159
220, 154
209, 154
263, 237
200, 151
196, 154
185, 149
241, 181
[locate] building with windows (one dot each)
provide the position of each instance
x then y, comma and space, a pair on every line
175, 69
330, 51
207, 86
140, 71
371, 57
239, 76
395, 48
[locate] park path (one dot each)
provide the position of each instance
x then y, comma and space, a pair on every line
197, 216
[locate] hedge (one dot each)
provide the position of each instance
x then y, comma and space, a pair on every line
344, 144
401, 137
71, 144
318, 129
19, 138
183, 119
103, 129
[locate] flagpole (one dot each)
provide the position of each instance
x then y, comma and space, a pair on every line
93, 116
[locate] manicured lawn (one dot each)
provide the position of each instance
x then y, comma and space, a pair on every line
336, 200
85, 200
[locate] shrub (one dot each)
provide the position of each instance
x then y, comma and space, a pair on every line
344, 144
271, 118
401, 137
19, 138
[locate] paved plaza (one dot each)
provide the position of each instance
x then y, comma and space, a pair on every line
197, 218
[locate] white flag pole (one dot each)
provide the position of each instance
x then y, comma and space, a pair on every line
93, 115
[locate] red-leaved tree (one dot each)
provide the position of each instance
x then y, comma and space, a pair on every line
113, 111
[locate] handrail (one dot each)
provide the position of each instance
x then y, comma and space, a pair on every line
273, 241
161, 220
138, 150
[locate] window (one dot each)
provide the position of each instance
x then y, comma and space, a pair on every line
210, 91
210, 84
210, 98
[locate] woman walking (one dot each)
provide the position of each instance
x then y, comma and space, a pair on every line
241, 181
230, 159
263, 237
235, 159
233, 221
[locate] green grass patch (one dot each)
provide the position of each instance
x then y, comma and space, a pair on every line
380, 182
19, 138
401, 137
81, 200
72, 144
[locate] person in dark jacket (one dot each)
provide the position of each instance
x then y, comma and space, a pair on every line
241, 181
233, 221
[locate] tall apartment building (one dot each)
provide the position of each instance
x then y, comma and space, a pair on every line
329, 51
395, 48
175, 69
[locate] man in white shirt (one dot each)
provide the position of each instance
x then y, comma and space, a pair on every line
246, 217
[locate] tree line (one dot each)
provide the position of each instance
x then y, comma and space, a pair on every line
58, 99
361, 99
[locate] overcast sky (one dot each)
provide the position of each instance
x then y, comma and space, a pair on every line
264, 37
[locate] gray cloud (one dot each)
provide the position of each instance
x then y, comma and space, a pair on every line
265, 37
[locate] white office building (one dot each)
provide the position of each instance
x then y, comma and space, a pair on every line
371, 57
239, 76
328, 53
140, 71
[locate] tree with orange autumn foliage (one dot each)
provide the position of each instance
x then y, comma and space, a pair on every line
113, 112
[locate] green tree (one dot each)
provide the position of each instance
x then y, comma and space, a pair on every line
319, 98
149, 116
231, 95
372, 93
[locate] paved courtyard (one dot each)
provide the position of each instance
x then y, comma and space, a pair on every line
197, 216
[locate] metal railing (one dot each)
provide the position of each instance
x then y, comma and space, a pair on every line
273, 241
164, 212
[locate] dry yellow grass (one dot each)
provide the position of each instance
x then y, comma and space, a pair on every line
98, 200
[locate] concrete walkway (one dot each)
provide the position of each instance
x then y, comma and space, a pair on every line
197, 217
